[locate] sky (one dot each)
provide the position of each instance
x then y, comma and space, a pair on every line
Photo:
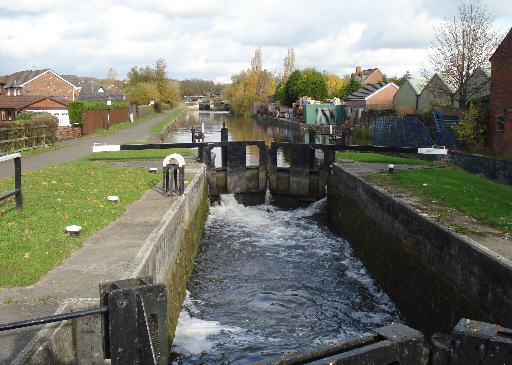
216, 39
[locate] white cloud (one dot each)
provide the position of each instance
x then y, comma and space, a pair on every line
215, 39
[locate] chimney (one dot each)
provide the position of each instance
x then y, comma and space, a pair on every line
358, 70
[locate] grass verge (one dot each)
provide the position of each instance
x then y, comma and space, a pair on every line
142, 155
470, 194
33, 240
160, 126
378, 158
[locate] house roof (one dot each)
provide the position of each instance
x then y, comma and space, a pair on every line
368, 90
417, 84
446, 82
72, 79
95, 96
19, 78
508, 38
22, 101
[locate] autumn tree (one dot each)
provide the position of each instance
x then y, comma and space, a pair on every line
462, 44
249, 87
112, 74
334, 84
151, 83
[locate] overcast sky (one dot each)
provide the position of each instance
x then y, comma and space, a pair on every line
215, 39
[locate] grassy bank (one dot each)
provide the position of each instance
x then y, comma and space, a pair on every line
160, 126
33, 240
142, 155
470, 194
378, 158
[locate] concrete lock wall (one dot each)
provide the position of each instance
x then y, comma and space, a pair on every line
168, 255
434, 276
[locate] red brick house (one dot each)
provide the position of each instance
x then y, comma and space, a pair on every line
38, 82
10, 106
500, 121
369, 76
371, 96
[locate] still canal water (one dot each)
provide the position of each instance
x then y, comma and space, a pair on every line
269, 280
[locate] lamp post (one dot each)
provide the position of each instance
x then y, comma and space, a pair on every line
109, 104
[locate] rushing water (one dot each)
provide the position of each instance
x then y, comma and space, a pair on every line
268, 281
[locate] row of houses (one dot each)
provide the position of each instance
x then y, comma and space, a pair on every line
489, 85
47, 91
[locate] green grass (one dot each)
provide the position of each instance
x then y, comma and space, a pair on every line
377, 158
142, 155
470, 194
160, 126
33, 240
35, 151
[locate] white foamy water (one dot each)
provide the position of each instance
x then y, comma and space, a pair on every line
268, 281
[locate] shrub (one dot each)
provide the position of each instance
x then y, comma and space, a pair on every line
24, 116
24, 133
144, 110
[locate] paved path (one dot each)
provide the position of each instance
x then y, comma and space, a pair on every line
83, 146
106, 255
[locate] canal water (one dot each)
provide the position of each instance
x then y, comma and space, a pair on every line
269, 280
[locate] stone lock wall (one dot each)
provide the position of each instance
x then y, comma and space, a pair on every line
434, 276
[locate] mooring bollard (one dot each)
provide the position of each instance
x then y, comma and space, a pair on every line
173, 175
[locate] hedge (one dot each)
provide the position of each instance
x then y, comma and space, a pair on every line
23, 134
76, 109
144, 110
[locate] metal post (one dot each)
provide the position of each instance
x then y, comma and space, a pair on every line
193, 134
224, 151
108, 118
17, 182
312, 136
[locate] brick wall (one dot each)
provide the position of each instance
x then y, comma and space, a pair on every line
50, 84
501, 97
68, 132
383, 97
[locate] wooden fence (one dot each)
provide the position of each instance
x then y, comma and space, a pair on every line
15, 139
97, 119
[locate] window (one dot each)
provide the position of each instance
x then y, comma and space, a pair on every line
3, 115
19, 91
500, 123
8, 92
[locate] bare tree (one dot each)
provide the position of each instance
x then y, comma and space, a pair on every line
257, 62
289, 64
112, 74
461, 45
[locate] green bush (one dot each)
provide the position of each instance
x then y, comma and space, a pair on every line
313, 84
76, 109
24, 116
24, 133
144, 110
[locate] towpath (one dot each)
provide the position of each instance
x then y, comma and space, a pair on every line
81, 147
107, 255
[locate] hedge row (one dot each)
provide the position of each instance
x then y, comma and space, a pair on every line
76, 109
27, 133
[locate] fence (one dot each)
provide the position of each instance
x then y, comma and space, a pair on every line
17, 180
493, 168
97, 119
16, 139
398, 132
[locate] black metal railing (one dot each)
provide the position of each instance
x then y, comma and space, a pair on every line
17, 180
134, 321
